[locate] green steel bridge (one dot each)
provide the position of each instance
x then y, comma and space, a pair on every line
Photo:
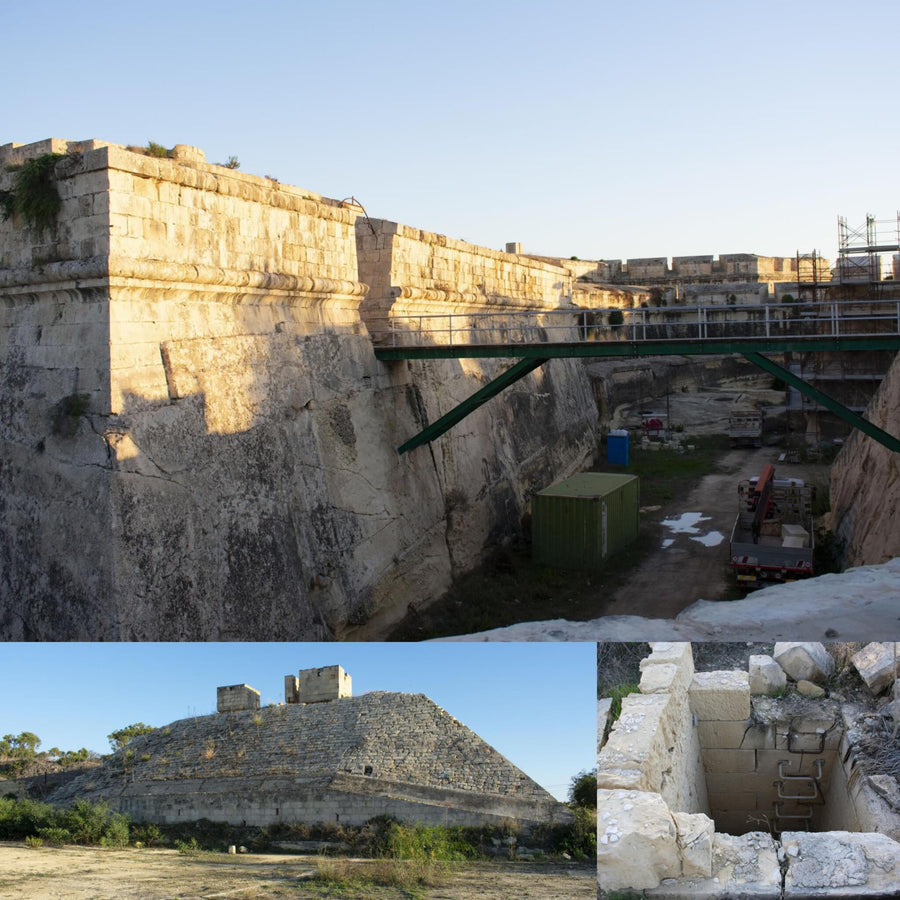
533, 337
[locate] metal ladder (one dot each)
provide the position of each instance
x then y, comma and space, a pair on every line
802, 790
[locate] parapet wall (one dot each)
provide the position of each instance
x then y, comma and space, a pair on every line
412, 271
197, 440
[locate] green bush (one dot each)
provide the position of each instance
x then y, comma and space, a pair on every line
424, 842
85, 821
34, 195
147, 834
189, 848
55, 836
34, 842
115, 831
157, 150
583, 789
20, 818
616, 318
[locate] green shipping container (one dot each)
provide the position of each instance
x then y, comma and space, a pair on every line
581, 521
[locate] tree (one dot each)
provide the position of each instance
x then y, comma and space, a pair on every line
583, 789
118, 739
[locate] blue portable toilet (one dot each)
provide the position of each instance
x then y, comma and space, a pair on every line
617, 447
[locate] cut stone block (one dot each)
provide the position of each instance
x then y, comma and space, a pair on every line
637, 842
804, 660
720, 696
729, 761
766, 676
840, 864
744, 866
878, 665
658, 679
695, 840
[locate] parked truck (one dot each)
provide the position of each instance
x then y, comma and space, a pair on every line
745, 427
773, 539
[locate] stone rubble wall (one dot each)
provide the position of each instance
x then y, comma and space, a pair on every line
345, 760
198, 442
855, 801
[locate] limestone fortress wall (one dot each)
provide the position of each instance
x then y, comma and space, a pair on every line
323, 756
196, 440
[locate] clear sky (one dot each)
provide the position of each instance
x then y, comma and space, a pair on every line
534, 702
588, 128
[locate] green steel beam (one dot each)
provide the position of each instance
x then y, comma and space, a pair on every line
873, 431
639, 348
458, 413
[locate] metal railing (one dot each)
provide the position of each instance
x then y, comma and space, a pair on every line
833, 319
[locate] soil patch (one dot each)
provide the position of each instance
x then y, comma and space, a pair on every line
78, 873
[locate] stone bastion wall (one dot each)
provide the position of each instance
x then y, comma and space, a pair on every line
345, 760
196, 440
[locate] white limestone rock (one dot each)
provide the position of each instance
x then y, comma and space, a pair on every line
840, 864
766, 676
637, 841
808, 689
720, 696
695, 841
878, 664
804, 661
743, 867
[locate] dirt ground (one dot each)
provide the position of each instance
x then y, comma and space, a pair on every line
673, 577
79, 873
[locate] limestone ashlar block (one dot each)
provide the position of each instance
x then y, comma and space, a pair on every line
759, 782
637, 841
725, 761
840, 864
735, 735
804, 660
637, 741
766, 676
695, 841
658, 679
878, 664
720, 696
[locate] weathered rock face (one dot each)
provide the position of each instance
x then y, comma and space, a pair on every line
865, 484
197, 440
346, 760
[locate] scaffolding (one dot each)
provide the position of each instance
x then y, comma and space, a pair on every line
813, 277
860, 250
859, 275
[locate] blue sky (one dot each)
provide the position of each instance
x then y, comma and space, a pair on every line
596, 129
534, 702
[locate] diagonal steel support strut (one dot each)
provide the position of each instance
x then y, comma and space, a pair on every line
458, 413
873, 431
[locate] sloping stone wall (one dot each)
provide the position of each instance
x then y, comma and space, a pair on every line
345, 760
197, 440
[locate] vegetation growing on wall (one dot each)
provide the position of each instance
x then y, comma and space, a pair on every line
34, 195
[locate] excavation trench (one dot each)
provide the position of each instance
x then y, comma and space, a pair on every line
704, 789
